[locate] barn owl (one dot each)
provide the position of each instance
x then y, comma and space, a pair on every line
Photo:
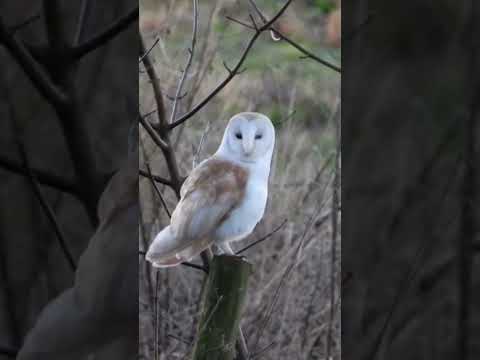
224, 197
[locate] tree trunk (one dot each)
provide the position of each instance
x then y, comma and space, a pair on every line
223, 298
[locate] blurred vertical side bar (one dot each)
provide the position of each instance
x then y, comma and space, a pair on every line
410, 156
68, 180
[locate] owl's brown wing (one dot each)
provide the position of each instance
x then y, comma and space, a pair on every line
209, 194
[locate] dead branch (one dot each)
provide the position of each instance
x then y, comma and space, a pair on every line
234, 70
44, 177
157, 178
48, 210
175, 178
308, 54
33, 70
160, 196
263, 238
191, 52
155, 43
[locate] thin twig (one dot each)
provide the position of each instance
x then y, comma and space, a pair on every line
200, 145
285, 275
191, 53
157, 178
160, 196
263, 238
239, 22
260, 352
148, 52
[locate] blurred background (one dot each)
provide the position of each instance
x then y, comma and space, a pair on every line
301, 96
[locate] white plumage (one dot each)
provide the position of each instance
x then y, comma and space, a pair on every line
224, 197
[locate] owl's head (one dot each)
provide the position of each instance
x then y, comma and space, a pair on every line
249, 137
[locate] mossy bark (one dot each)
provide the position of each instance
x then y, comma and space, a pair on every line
223, 298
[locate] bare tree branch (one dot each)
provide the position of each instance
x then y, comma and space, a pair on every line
155, 43
44, 177
33, 70
233, 72
157, 178
106, 35
263, 238
281, 36
175, 178
82, 20
162, 200
153, 134
48, 210
186, 70
31, 19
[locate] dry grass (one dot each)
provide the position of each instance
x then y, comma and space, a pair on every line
300, 97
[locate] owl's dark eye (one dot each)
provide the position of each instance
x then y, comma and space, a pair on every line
238, 135
258, 136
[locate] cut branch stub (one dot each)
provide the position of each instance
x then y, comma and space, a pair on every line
224, 294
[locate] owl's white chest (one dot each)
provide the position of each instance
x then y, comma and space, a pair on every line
246, 216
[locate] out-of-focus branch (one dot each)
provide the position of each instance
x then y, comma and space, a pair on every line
33, 70
48, 210
106, 35
44, 177
233, 72
13, 29
82, 20
73, 124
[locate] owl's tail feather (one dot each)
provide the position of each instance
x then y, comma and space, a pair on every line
164, 252
161, 248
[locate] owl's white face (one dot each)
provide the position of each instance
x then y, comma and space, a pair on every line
249, 137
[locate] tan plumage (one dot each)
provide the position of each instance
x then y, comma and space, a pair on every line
208, 195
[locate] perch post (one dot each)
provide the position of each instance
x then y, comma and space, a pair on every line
224, 294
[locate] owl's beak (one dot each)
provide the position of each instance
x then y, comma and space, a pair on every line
248, 145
